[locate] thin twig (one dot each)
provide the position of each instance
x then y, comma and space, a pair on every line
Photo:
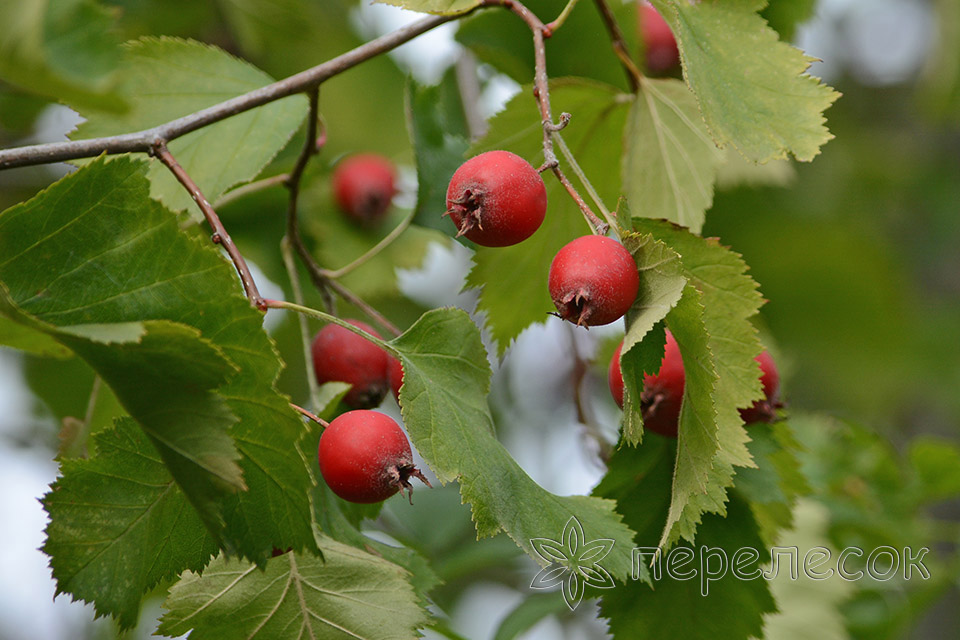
326, 317
302, 321
220, 235
580, 400
569, 157
143, 141
620, 46
374, 250
310, 147
551, 27
469, 86
599, 226
361, 304
323, 423
250, 187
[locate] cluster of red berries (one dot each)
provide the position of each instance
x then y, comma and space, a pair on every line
498, 199
364, 455
663, 391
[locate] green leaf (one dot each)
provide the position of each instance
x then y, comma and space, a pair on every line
440, 140
166, 78
732, 609
661, 286
735, 170
670, 162
119, 524
752, 89
64, 49
514, 279
785, 15
443, 7
346, 594
443, 398
23, 338
95, 249
773, 486
530, 611
936, 463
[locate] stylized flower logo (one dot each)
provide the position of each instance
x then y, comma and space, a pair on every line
574, 557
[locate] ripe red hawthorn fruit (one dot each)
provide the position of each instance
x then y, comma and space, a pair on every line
395, 377
660, 46
363, 186
593, 281
765, 410
662, 392
496, 199
339, 355
364, 457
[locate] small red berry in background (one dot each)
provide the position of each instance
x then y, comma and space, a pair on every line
395, 377
496, 199
365, 457
765, 410
593, 281
339, 355
363, 186
662, 392
660, 45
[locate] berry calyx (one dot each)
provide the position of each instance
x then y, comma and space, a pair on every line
593, 281
363, 186
765, 410
660, 45
662, 392
365, 457
339, 355
395, 377
496, 199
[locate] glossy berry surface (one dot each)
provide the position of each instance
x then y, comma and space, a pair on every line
365, 457
593, 281
662, 393
660, 45
765, 410
496, 199
363, 186
395, 377
339, 355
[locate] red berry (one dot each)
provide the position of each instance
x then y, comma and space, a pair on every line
593, 281
660, 45
363, 186
496, 199
765, 410
395, 377
364, 457
662, 393
339, 355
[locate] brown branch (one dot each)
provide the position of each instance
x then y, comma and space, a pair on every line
143, 141
310, 147
323, 423
220, 235
619, 45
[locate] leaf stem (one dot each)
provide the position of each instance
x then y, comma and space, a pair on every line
323, 423
291, 266
620, 46
250, 187
220, 235
326, 317
569, 157
551, 27
374, 250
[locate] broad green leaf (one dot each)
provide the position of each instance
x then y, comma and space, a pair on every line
773, 486
443, 398
752, 89
443, 7
701, 476
661, 286
166, 78
95, 249
513, 280
580, 47
18, 336
732, 609
64, 49
669, 161
346, 594
440, 140
119, 524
